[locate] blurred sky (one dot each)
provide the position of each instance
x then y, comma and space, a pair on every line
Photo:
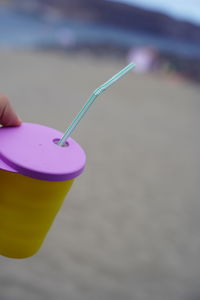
182, 9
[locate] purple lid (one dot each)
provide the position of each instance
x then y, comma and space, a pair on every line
30, 149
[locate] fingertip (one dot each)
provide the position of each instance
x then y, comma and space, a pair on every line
18, 121
8, 117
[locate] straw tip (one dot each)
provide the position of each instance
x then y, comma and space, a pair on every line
132, 65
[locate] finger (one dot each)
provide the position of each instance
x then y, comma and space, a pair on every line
8, 117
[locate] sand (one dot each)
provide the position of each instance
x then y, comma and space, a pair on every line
130, 227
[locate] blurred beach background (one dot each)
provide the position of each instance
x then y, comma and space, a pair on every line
130, 226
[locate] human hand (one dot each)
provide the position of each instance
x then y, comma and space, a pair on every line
8, 117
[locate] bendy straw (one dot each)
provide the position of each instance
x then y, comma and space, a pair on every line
89, 102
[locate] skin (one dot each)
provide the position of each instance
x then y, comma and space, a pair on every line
8, 117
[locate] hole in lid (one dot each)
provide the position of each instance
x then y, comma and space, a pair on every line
66, 144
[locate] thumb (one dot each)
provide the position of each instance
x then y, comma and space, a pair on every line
8, 117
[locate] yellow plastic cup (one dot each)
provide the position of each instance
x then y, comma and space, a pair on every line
35, 177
